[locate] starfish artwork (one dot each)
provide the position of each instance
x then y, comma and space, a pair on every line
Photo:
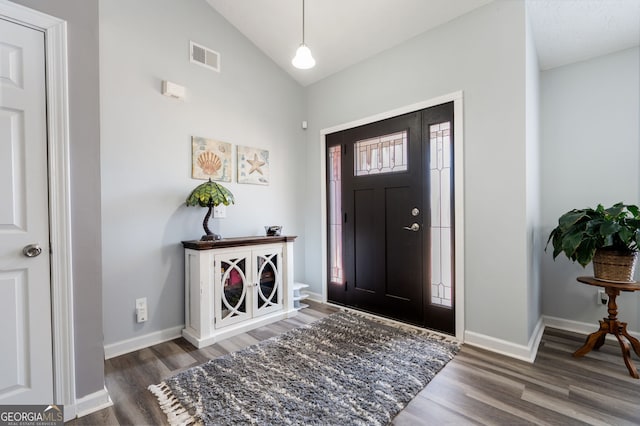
255, 164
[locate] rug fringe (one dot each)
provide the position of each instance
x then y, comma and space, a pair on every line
177, 415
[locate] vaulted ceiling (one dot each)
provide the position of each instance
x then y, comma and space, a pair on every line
341, 33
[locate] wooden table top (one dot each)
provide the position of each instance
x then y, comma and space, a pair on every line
631, 286
237, 242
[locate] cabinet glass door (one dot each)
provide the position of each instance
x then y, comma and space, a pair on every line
268, 297
233, 305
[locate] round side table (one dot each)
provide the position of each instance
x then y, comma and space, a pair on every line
611, 324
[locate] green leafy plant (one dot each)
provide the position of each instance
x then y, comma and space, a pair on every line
209, 194
581, 232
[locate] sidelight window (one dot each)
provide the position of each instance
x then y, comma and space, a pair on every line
441, 224
336, 271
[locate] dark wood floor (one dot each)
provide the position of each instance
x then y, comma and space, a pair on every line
476, 387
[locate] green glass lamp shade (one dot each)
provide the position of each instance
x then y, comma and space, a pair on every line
209, 194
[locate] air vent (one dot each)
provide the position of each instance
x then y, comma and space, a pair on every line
204, 56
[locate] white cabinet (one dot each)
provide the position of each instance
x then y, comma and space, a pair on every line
236, 284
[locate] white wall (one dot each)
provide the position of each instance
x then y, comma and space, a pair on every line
590, 133
146, 149
483, 54
532, 164
590, 154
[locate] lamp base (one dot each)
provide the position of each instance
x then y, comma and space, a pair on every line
212, 237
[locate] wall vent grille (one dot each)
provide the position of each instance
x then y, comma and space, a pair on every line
204, 56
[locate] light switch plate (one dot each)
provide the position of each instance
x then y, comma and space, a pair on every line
141, 309
220, 211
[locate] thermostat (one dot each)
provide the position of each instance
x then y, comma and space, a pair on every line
172, 90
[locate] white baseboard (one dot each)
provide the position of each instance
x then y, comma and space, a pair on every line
93, 402
526, 352
316, 297
124, 347
585, 328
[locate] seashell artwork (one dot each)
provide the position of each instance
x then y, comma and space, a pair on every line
210, 159
209, 162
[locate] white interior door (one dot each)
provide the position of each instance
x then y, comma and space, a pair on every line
26, 371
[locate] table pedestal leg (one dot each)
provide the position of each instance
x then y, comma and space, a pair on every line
594, 340
618, 329
634, 342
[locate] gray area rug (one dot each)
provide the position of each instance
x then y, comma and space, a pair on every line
344, 369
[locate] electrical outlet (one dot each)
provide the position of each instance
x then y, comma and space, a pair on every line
141, 309
602, 298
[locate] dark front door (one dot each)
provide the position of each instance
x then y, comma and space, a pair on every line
380, 214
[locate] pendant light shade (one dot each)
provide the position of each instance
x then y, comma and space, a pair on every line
303, 59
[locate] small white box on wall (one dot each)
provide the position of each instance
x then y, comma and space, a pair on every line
173, 90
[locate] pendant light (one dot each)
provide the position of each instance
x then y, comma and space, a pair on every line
303, 59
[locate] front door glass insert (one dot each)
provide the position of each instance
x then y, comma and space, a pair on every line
382, 154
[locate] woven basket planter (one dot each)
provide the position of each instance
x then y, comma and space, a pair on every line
614, 266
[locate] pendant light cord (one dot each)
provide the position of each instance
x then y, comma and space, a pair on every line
303, 59
302, 21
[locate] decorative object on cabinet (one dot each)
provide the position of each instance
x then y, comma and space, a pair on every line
298, 296
253, 165
607, 237
273, 231
235, 285
209, 194
210, 159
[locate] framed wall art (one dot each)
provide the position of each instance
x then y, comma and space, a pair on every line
253, 165
210, 159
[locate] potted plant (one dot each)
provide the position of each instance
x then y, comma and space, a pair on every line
607, 237
209, 194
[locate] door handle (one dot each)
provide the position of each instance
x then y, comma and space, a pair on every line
414, 227
32, 250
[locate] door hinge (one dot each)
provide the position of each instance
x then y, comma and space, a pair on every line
345, 285
345, 218
344, 149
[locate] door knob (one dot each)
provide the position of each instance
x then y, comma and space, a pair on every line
414, 227
32, 250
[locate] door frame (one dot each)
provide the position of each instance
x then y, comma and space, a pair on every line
62, 329
458, 184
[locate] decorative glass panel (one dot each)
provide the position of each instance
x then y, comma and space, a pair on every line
336, 273
268, 288
234, 289
383, 154
441, 225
